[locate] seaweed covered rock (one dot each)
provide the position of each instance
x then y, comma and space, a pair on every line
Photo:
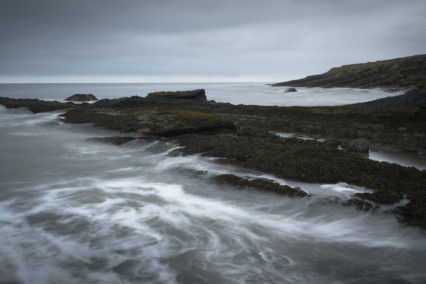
123, 123
360, 145
81, 98
260, 184
198, 95
34, 105
174, 123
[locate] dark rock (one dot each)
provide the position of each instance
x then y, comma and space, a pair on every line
121, 103
207, 128
357, 145
34, 105
123, 123
290, 90
81, 98
115, 140
416, 99
260, 184
198, 95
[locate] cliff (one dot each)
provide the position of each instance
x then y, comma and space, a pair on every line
395, 74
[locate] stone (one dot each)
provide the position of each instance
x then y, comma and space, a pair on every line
358, 145
81, 98
290, 90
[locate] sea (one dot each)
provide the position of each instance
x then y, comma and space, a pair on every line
76, 210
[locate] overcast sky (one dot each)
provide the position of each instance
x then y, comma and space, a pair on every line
201, 40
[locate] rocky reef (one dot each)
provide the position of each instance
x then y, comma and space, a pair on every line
395, 74
244, 136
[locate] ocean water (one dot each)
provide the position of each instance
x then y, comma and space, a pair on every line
73, 210
235, 93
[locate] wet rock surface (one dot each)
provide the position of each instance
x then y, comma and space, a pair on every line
242, 136
360, 145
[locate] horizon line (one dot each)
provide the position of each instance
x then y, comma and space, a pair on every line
141, 79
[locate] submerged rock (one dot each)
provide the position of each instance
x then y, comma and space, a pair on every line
81, 98
198, 95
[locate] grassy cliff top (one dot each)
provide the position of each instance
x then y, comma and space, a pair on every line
400, 73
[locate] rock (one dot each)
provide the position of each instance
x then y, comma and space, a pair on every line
402, 129
363, 133
81, 98
357, 145
290, 90
415, 99
115, 140
198, 95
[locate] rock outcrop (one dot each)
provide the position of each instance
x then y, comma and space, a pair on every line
291, 90
81, 98
198, 95
396, 74
415, 99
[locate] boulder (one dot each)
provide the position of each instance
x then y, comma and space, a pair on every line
290, 90
197, 95
357, 145
81, 98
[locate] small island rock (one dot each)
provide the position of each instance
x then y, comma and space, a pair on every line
81, 98
290, 90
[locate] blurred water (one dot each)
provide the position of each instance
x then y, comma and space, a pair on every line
73, 210
235, 93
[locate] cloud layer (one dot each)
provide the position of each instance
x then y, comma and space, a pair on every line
204, 40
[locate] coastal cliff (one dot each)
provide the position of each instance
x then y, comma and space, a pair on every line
395, 74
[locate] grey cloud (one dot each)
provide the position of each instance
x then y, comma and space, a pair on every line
201, 37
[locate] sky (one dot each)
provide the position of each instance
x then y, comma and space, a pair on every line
201, 40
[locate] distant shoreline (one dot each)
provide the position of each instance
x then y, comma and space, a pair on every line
404, 73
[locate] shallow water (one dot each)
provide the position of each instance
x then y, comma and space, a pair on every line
235, 93
403, 159
78, 211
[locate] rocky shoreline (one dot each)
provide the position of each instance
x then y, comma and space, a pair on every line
244, 136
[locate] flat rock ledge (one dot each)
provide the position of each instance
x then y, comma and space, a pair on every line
198, 95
